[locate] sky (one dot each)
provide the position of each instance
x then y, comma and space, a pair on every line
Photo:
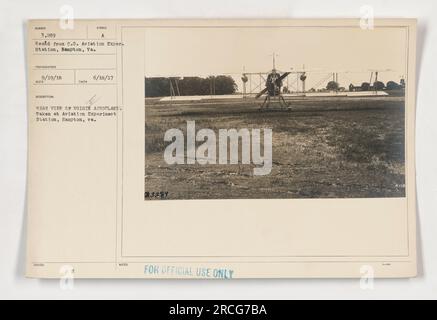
351, 52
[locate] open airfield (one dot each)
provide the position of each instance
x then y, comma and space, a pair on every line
323, 147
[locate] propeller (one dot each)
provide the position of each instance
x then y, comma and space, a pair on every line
283, 76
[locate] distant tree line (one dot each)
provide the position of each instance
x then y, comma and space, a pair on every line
189, 86
378, 85
365, 86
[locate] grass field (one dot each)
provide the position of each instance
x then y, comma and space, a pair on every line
322, 148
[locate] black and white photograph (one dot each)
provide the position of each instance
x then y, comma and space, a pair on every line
263, 113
